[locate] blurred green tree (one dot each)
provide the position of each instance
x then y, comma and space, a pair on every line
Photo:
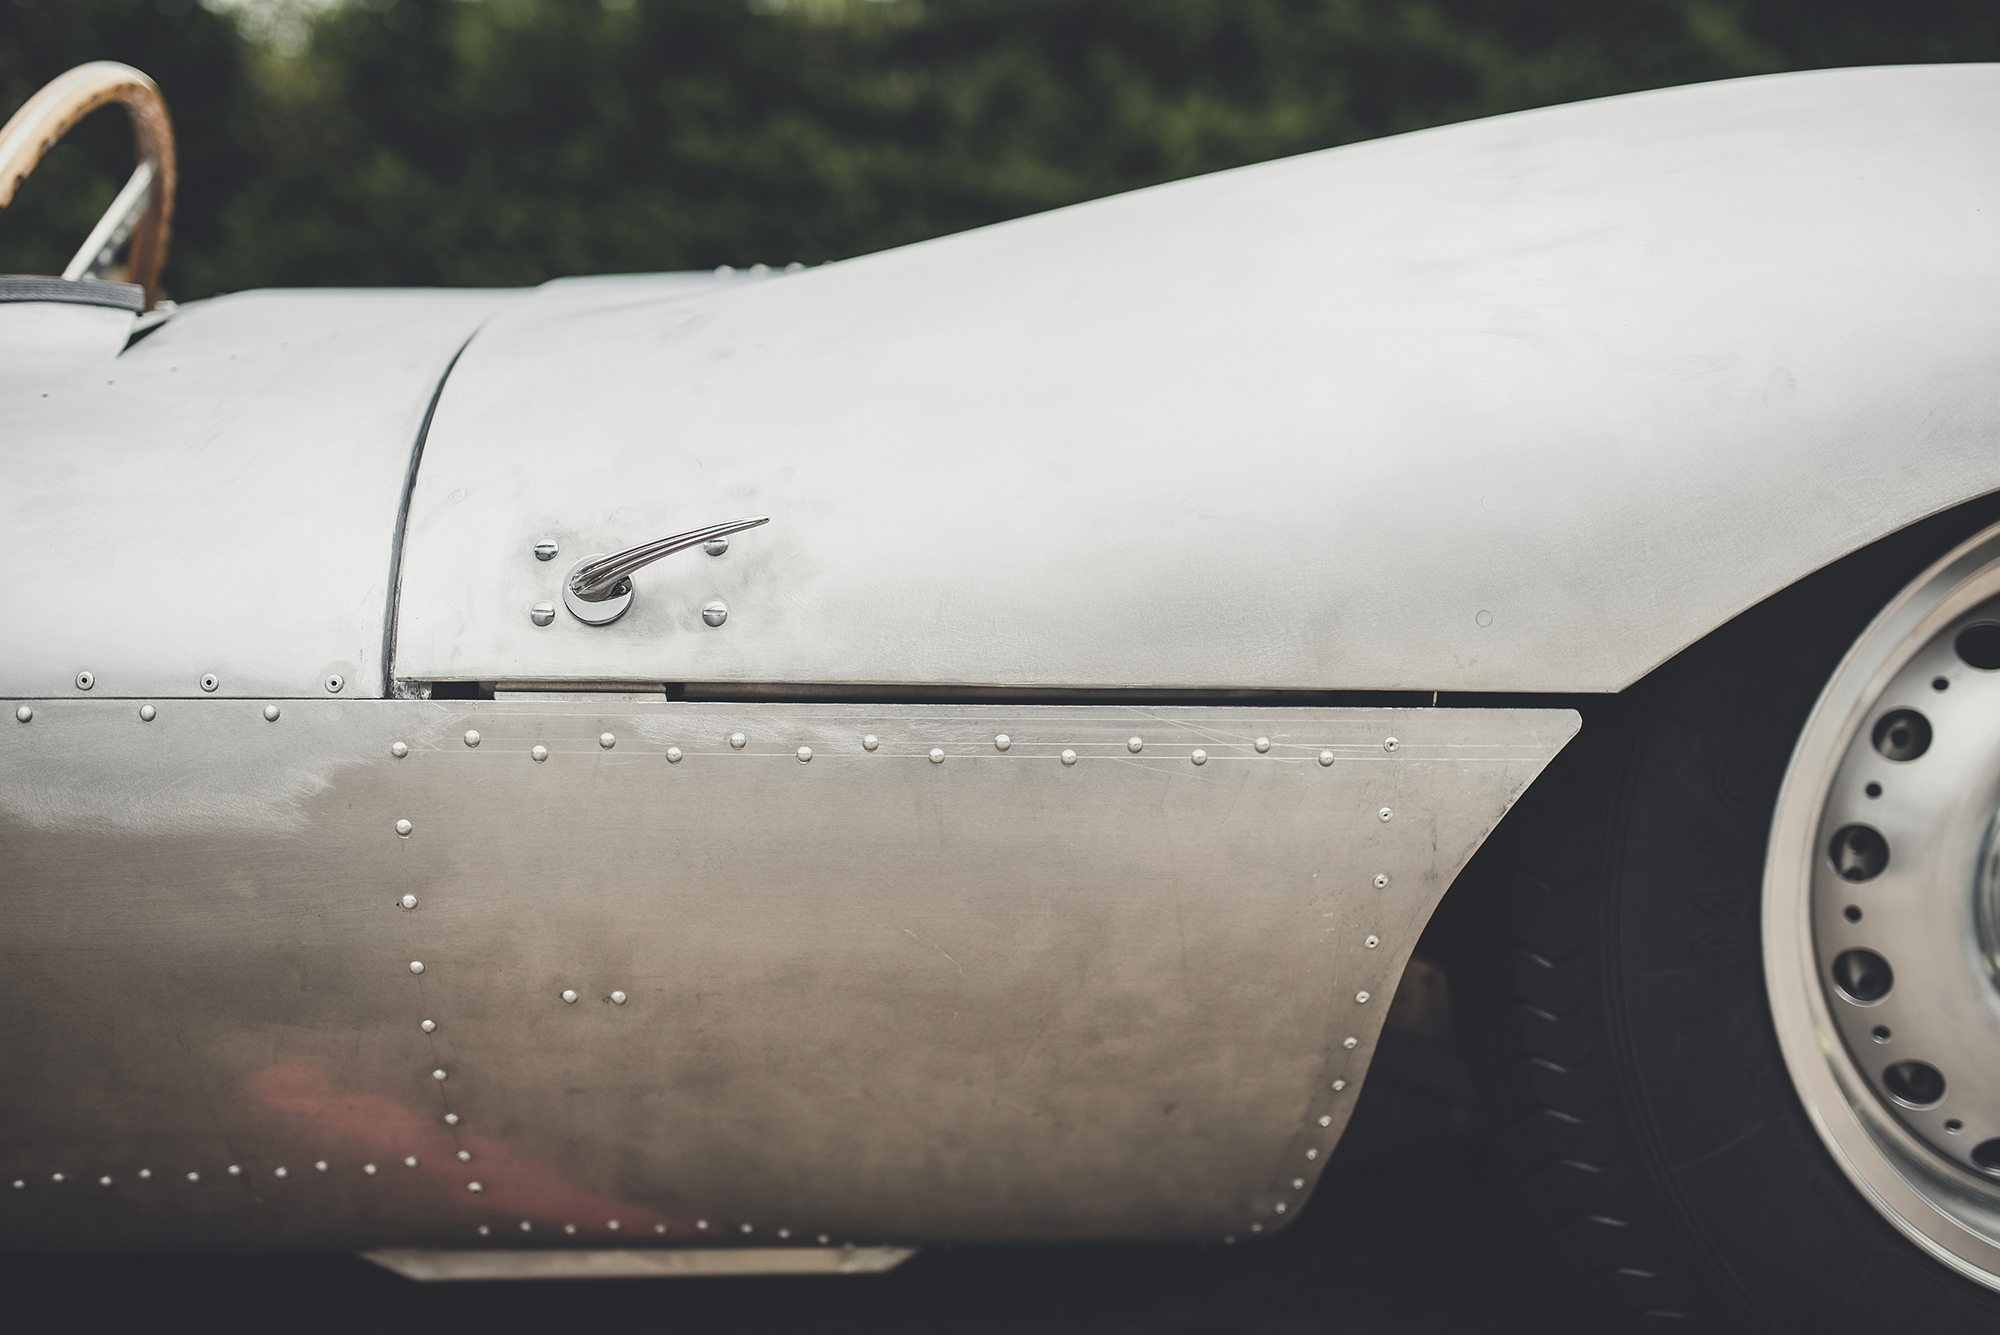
509, 141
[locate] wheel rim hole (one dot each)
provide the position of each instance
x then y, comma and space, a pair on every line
1940, 683
1954, 1126
1863, 976
1873, 790
1903, 734
1859, 852
1880, 1033
1920, 1085
1852, 913
1987, 1155
1979, 645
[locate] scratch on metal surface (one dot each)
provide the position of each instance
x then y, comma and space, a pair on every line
939, 949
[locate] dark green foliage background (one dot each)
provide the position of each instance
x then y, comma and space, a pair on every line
509, 141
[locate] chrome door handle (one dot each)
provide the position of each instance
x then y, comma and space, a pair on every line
598, 588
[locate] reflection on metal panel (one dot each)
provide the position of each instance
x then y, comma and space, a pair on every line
390, 973
218, 503
1521, 405
634, 1263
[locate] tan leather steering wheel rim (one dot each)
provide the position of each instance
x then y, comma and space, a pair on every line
66, 99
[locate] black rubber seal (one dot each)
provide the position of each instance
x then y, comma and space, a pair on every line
76, 291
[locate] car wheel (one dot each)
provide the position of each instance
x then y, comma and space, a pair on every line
1736, 999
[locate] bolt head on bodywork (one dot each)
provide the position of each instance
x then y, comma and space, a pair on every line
618, 998
542, 614
403, 828
569, 996
539, 754
715, 611
1262, 744
471, 737
85, 680
408, 901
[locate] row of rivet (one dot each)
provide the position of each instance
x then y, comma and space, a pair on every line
333, 682
737, 741
234, 1170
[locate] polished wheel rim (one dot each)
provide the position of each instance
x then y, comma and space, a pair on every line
1882, 912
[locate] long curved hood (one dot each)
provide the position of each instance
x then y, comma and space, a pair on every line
1523, 404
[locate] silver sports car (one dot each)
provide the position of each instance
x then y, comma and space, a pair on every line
765, 770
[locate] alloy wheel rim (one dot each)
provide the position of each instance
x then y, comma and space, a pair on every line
1881, 916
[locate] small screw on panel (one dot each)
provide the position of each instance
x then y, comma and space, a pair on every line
85, 680
1371, 941
1361, 998
542, 613
210, 681
1390, 743
546, 550
716, 546
1381, 879
1384, 814
147, 713
715, 611
334, 683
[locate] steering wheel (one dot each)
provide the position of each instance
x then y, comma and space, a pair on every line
144, 209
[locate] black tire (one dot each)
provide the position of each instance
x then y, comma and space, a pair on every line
1609, 985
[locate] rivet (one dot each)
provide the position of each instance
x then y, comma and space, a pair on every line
236, 1170
613, 1225
410, 1162
1326, 757
606, 740
436, 1075
1361, 998
1339, 1085
485, 1230
546, 550
1069, 757
659, 1228
716, 546
1256, 1228
1228, 1239
474, 1187
1390, 743
701, 1223
1002, 742
416, 966
145, 1174
569, 1228
715, 611
868, 743
281, 1172
147, 713
737, 741
319, 1165
805, 754
539, 754
368, 1168
85, 680
783, 1232
618, 998
24, 713
1348, 1042
1326, 1120
1262, 744
399, 749
1281, 1207
334, 682
55, 1177
673, 755
106, 1181
822, 1239
1199, 757
1298, 1184
527, 1227
746, 1228
1381, 879
465, 1156
542, 614
569, 996
471, 737
1371, 941
1484, 618
403, 828
1311, 1155
194, 1177
937, 756
210, 681
270, 713
451, 1119
1135, 745
408, 901
20, 1184
1384, 814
